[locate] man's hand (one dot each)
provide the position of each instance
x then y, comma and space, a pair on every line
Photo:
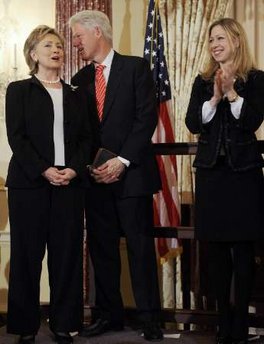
109, 172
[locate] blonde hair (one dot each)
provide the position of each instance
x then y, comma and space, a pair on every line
31, 42
91, 19
243, 61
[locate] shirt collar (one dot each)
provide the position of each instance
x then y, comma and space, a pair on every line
108, 60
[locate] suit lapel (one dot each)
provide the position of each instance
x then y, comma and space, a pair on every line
87, 79
113, 83
66, 89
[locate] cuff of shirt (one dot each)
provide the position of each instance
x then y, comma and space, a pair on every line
208, 112
124, 161
236, 107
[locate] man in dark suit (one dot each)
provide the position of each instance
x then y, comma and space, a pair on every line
120, 199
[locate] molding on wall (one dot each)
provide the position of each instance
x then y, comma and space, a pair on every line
4, 237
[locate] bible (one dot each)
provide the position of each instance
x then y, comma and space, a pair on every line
102, 156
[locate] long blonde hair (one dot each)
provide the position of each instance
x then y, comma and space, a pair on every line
243, 61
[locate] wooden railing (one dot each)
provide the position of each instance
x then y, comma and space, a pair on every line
185, 148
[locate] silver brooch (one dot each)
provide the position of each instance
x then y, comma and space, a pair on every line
74, 88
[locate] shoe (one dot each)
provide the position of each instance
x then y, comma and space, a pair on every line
223, 340
152, 332
99, 327
30, 339
62, 337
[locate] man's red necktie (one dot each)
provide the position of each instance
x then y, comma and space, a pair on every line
100, 87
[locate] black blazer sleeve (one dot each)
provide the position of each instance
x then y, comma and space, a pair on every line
252, 112
79, 139
24, 153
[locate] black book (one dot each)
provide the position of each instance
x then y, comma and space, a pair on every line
102, 156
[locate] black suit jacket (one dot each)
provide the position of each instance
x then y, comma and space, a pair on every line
237, 136
129, 120
29, 121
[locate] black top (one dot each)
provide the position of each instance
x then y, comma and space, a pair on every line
29, 121
236, 135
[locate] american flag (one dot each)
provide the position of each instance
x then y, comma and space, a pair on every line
166, 203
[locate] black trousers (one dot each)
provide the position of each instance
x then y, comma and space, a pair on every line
49, 217
232, 260
108, 217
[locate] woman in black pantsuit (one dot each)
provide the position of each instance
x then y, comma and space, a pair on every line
225, 109
50, 139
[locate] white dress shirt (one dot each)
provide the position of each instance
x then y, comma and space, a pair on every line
108, 63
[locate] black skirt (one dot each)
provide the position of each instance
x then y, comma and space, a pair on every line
229, 206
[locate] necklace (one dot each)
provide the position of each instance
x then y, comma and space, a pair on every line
48, 81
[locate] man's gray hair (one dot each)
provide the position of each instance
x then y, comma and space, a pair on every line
91, 19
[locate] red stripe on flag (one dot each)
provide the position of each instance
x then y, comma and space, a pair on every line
169, 135
162, 245
156, 217
173, 214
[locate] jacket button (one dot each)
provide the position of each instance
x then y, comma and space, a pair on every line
67, 142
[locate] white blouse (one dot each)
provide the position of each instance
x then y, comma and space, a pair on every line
58, 129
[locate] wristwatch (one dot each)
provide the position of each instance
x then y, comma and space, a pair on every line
234, 98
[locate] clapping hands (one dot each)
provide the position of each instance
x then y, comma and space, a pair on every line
223, 84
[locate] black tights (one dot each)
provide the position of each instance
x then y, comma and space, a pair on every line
227, 260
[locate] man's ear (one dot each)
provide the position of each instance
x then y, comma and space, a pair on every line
98, 31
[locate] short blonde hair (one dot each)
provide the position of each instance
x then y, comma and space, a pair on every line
91, 19
31, 42
243, 60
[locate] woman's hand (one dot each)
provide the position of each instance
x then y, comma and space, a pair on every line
228, 81
218, 93
59, 177
67, 174
53, 176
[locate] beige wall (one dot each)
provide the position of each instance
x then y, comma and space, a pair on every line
129, 20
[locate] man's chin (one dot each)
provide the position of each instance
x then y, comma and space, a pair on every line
83, 57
